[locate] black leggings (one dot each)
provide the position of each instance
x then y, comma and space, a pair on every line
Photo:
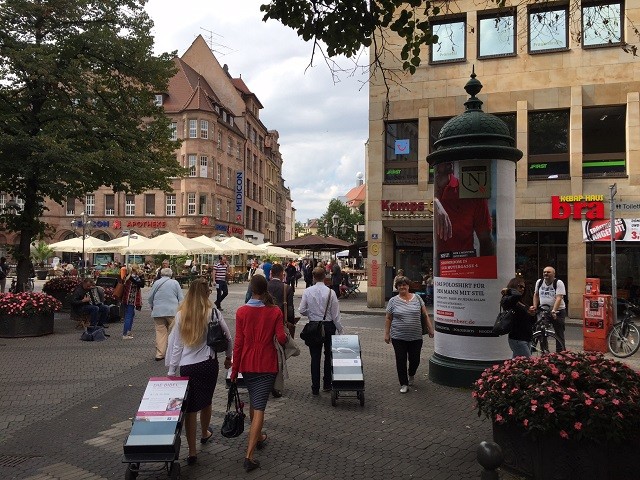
406, 349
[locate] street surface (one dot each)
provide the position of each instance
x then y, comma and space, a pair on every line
66, 408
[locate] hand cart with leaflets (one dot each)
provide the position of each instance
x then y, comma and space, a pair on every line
155, 432
346, 368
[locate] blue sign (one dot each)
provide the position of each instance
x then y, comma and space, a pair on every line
239, 196
402, 147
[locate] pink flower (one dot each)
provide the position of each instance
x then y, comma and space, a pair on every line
615, 401
564, 434
574, 375
525, 422
577, 426
588, 402
601, 391
499, 418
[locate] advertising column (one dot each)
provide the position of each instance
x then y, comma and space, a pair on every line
474, 240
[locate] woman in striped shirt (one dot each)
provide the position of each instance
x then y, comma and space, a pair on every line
403, 329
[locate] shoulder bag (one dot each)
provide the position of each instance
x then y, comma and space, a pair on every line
233, 423
504, 322
290, 324
216, 338
118, 290
313, 332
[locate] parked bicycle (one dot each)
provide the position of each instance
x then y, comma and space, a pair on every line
624, 338
28, 285
544, 339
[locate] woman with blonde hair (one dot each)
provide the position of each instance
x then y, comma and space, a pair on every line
188, 350
131, 297
254, 355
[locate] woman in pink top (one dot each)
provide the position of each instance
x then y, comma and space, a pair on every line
255, 356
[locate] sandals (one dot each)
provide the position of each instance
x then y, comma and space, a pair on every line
262, 443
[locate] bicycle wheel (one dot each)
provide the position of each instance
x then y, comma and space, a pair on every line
542, 344
623, 342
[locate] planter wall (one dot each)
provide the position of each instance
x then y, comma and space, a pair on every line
64, 298
15, 326
544, 457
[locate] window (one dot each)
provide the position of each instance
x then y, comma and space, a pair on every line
130, 205
3, 201
228, 211
193, 128
218, 208
191, 203
218, 173
228, 178
260, 194
158, 100
230, 145
219, 140
150, 204
230, 120
497, 35
192, 164
173, 129
204, 129
401, 152
204, 162
604, 141
452, 36
71, 206
261, 143
170, 202
548, 144
548, 29
602, 24
202, 205
224, 116
109, 205
238, 151
90, 204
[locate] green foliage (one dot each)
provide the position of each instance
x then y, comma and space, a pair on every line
41, 252
77, 86
350, 220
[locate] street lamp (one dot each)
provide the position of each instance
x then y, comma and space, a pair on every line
338, 225
12, 206
87, 226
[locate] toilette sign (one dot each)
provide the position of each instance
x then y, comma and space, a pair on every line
590, 207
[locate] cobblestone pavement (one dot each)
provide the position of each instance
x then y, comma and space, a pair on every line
66, 408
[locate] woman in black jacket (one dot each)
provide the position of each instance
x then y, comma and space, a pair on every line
523, 321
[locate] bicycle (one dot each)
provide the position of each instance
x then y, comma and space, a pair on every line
623, 339
544, 339
28, 285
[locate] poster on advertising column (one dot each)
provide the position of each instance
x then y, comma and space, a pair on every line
473, 220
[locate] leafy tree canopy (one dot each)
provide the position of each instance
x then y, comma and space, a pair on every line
77, 86
345, 217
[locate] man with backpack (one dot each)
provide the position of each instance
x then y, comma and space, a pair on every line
551, 291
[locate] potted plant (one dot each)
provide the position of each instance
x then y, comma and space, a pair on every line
564, 415
61, 288
39, 254
27, 314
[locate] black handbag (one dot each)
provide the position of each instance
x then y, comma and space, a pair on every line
313, 333
504, 321
216, 338
233, 424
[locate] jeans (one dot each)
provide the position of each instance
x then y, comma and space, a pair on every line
222, 292
558, 327
129, 312
99, 313
406, 349
520, 348
316, 353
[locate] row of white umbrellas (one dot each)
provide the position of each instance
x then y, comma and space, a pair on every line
170, 244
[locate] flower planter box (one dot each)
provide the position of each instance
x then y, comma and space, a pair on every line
546, 456
64, 298
16, 326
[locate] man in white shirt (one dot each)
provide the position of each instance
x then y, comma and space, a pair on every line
551, 291
320, 303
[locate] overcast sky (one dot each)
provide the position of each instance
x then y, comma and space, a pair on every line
323, 125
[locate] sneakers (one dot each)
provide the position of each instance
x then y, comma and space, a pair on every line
410, 380
404, 389
127, 337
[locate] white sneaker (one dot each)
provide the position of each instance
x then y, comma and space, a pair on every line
127, 337
410, 380
404, 389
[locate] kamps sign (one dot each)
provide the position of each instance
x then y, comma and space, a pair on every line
239, 196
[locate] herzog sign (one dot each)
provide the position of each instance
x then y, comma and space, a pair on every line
239, 192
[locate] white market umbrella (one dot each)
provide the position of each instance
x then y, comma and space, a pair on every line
216, 249
236, 246
281, 252
74, 245
115, 245
167, 244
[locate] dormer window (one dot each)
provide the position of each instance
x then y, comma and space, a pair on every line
159, 100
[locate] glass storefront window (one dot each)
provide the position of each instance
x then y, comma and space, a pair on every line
401, 152
537, 249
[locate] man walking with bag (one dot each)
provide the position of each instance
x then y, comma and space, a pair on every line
221, 273
550, 291
320, 304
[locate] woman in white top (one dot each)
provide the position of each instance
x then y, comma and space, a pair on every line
188, 350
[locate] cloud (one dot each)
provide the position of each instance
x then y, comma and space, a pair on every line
323, 125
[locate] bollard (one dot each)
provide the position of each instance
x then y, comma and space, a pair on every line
490, 456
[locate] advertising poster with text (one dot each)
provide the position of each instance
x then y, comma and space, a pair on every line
162, 399
474, 218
